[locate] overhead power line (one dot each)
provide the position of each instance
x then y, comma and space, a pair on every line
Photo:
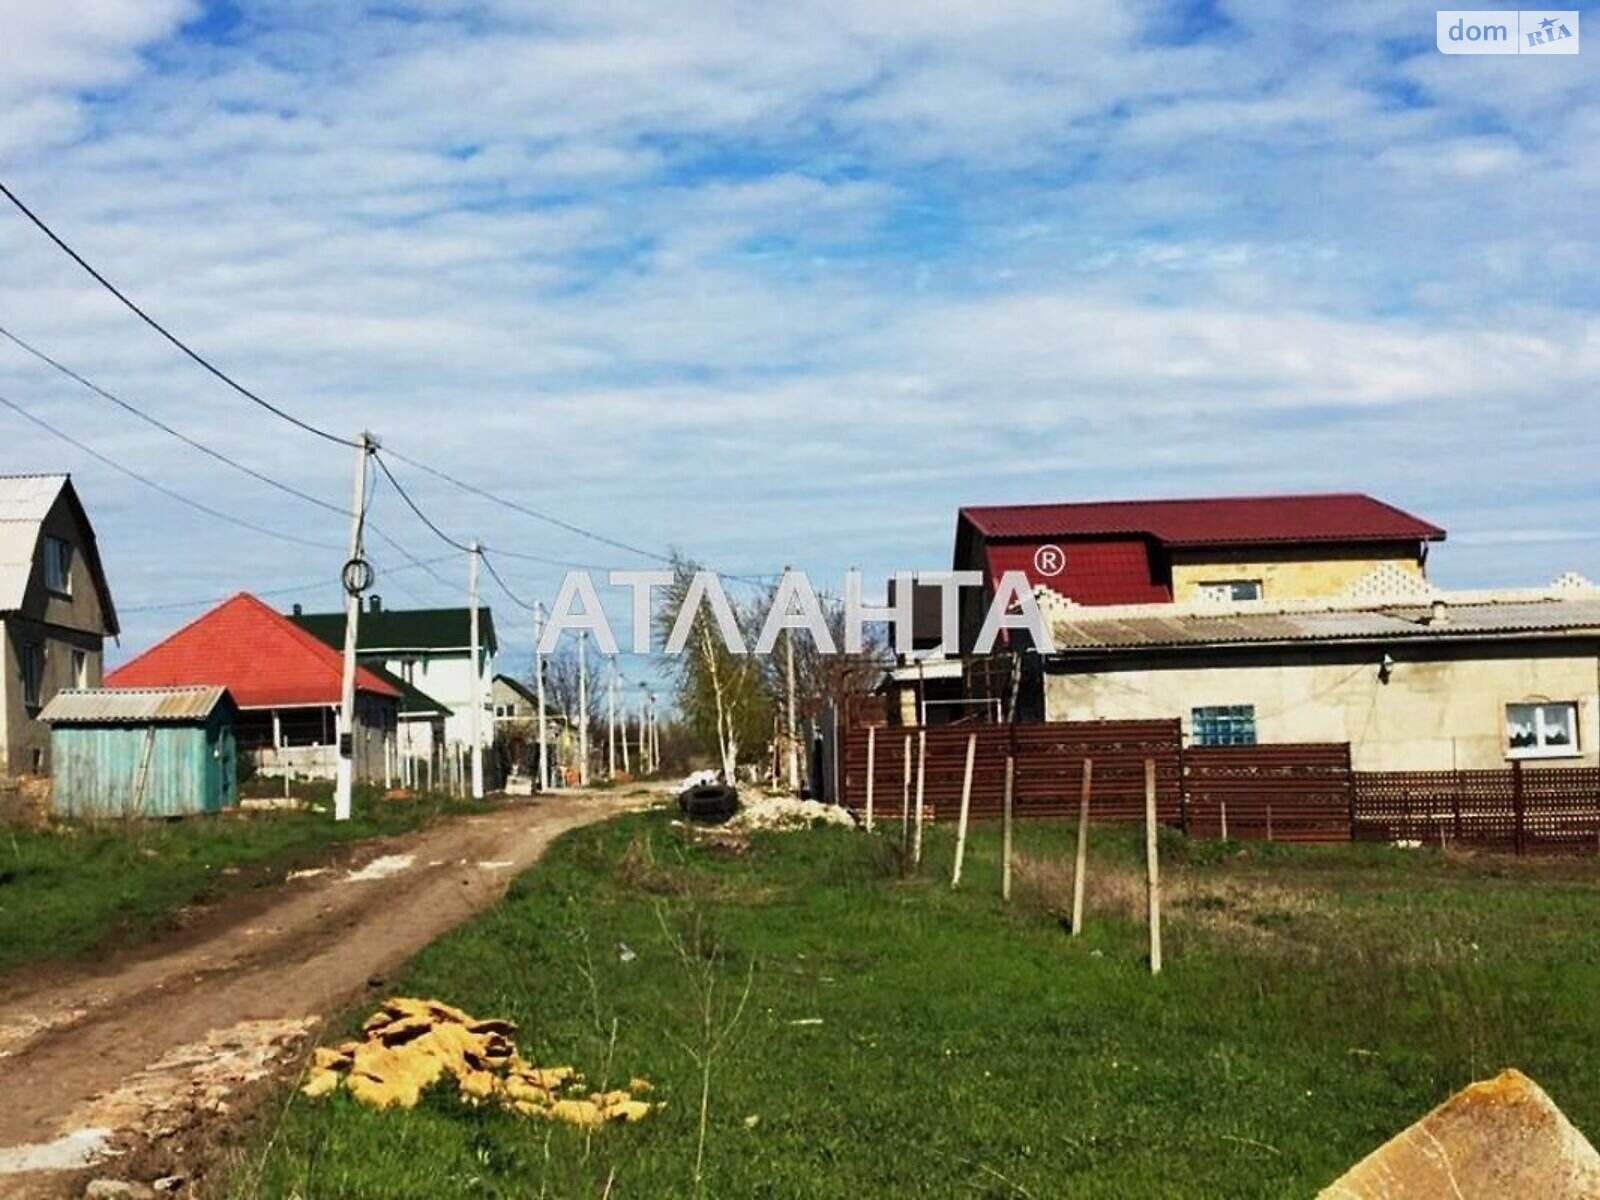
162, 488
286, 590
183, 346
327, 435
128, 407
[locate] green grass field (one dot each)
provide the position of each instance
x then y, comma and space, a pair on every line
75, 888
900, 1039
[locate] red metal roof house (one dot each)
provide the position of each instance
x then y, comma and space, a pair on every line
1156, 551
286, 683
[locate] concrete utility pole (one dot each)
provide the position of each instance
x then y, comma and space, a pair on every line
622, 724
538, 675
344, 778
476, 724
794, 743
655, 735
611, 722
644, 746
583, 707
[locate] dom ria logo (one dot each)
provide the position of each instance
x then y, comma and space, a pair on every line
1507, 31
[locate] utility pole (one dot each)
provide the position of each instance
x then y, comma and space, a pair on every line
655, 736
538, 675
794, 745
583, 707
644, 748
476, 724
611, 722
344, 777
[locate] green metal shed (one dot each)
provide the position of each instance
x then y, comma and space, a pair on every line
141, 752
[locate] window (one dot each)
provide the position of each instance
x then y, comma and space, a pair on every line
1542, 730
1232, 589
80, 669
32, 656
1224, 725
58, 566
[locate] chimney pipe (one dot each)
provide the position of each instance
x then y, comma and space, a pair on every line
298, 611
375, 604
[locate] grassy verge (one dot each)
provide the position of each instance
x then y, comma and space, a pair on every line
901, 1039
74, 888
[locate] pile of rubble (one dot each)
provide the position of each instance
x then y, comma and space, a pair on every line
408, 1045
786, 814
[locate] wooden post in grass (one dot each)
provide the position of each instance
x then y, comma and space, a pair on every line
1005, 837
1269, 822
966, 808
922, 774
872, 747
1224, 807
1152, 866
905, 796
1081, 868
1518, 808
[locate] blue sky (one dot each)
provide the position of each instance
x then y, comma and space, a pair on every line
788, 284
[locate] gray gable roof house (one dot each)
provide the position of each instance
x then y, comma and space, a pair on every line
55, 611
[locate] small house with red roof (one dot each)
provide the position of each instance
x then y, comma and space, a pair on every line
286, 683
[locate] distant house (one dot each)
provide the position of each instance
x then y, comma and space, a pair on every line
55, 611
516, 719
287, 685
427, 648
1436, 682
514, 700
1087, 555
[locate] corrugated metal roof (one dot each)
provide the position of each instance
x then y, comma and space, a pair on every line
1574, 616
95, 706
25, 501
1227, 520
402, 629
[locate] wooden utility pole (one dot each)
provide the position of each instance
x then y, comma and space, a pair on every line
1081, 866
344, 778
583, 708
475, 725
538, 676
966, 809
1152, 865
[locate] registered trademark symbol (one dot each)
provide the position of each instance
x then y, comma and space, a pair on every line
1049, 561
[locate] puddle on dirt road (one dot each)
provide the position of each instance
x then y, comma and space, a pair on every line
70, 1152
382, 868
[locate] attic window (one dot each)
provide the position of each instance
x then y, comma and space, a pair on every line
58, 566
1232, 589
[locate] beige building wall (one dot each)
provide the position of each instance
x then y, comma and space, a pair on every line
1307, 572
1437, 713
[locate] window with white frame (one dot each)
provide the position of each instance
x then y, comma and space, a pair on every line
32, 656
58, 566
1223, 725
1542, 729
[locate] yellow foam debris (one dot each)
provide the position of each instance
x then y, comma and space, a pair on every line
410, 1044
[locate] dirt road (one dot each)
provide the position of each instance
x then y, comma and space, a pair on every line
132, 1068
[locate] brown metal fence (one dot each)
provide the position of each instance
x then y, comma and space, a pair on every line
1285, 793
1304, 792
1524, 809
1049, 768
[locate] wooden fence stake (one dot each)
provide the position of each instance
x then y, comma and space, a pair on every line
905, 808
1005, 837
966, 808
922, 775
1224, 820
1269, 822
1081, 867
872, 746
1152, 867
